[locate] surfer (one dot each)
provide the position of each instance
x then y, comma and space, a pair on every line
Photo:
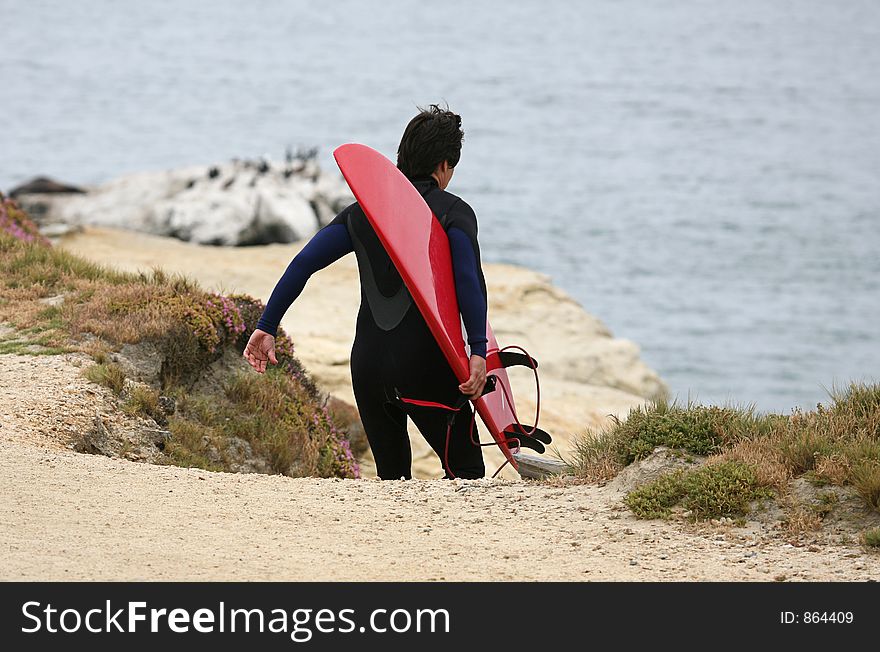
394, 353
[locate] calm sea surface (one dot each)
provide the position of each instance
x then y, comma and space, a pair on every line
703, 176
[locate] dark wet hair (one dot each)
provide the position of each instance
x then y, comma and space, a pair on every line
430, 138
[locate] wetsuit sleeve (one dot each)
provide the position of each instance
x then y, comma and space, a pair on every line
328, 245
469, 289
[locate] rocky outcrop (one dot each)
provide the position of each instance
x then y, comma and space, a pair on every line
44, 186
238, 203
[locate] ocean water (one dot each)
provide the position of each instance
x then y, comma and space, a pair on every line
703, 176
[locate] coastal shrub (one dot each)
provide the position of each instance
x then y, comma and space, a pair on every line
666, 424
835, 444
656, 499
713, 491
250, 310
695, 429
336, 457
99, 309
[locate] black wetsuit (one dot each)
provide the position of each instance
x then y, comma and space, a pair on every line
394, 353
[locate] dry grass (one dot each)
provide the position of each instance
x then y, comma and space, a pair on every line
831, 469
107, 374
865, 477
189, 444
763, 456
836, 444
99, 350
143, 401
594, 459
800, 520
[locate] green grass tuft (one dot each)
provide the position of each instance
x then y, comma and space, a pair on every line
189, 443
865, 478
723, 489
108, 374
871, 538
143, 401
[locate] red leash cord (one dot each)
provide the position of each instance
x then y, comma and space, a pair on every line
507, 397
509, 400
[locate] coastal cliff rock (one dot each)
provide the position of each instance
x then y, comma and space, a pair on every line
527, 309
238, 203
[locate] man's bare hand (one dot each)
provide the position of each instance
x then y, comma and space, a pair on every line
474, 385
260, 349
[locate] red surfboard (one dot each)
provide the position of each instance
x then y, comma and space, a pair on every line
419, 249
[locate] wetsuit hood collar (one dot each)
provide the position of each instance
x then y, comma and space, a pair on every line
424, 182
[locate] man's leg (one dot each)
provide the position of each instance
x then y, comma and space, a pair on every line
385, 427
465, 459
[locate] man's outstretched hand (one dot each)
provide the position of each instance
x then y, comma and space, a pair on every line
260, 349
474, 385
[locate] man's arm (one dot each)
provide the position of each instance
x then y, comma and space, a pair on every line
471, 300
328, 245
470, 288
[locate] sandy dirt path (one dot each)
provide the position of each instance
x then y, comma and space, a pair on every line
70, 516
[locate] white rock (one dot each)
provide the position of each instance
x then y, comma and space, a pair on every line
241, 202
289, 209
334, 191
209, 217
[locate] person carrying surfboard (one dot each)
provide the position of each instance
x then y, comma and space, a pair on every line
394, 353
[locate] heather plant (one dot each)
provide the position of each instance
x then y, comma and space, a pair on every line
16, 223
250, 310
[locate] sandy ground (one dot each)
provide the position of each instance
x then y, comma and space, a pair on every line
71, 516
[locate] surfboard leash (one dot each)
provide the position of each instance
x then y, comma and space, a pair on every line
532, 437
454, 411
